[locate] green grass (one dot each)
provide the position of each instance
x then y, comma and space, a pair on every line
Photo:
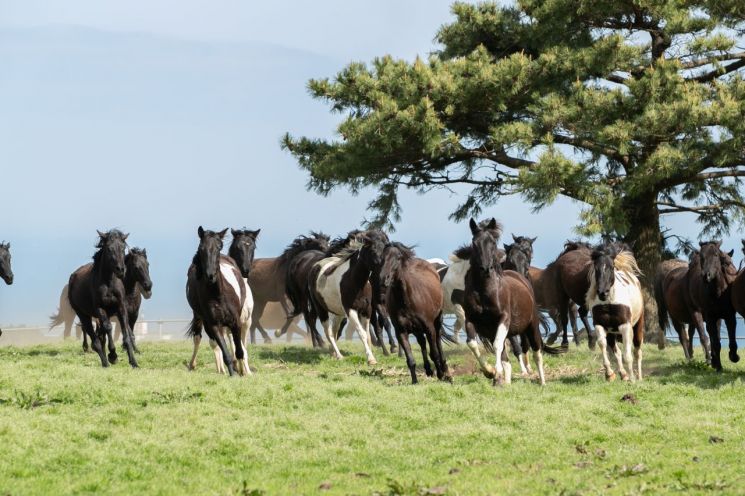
306, 424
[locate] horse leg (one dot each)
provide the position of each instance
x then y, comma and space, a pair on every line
517, 350
638, 341
533, 337
423, 346
193, 362
499, 342
591, 339
712, 329
627, 332
683, 337
507, 367
241, 358
603, 343
127, 334
111, 342
256, 314
703, 335
376, 319
227, 357
104, 329
330, 331
219, 365
438, 343
87, 324
460, 321
615, 350
403, 343
132, 321
354, 320
573, 314
563, 305
731, 323
473, 345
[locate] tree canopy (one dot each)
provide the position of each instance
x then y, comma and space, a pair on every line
634, 108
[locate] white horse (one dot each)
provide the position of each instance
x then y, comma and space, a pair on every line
617, 305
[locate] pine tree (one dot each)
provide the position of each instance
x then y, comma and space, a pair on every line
634, 108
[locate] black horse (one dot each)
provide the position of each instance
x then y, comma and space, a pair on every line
5, 271
96, 291
137, 285
220, 298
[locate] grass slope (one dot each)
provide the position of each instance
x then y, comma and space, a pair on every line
306, 424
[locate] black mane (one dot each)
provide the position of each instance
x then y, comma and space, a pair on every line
316, 241
103, 238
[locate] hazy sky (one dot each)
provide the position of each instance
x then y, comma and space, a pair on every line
158, 116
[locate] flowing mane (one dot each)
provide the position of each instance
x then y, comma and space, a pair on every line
316, 241
338, 258
625, 262
395, 255
103, 238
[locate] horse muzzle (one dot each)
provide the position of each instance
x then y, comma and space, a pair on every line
8, 279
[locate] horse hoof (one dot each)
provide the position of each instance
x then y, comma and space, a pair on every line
625, 377
610, 377
372, 361
497, 382
394, 349
552, 338
489, 373
565, 345
134, 365
734, 357
277, 333
113, 359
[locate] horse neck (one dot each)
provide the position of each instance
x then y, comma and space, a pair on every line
358, 271
130, 283
101, 269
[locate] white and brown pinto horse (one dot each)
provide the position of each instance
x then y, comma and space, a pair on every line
617, 306
221, 302
340, 288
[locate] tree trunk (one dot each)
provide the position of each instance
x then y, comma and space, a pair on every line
646, 240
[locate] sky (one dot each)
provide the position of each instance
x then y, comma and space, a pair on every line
158, 116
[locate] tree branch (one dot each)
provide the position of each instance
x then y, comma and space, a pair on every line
710, 60
719, 71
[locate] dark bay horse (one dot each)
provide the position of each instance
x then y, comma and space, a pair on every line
671, 292
498, 303
414, 302
137, 285
565, 282
96, 291
5, 270
220, 299
710, 293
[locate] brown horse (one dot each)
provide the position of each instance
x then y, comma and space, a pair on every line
414, 302
709, 290
268, 279
671, 283
498, 303
565, 281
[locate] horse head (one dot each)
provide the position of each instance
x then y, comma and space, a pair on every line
526, 243
242, 249
485, 256
207, 258
5, 271
715, 264
518, 257
603, 270
139, 269
112, 246
373, 245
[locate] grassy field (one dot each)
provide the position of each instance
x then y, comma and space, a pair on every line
306, 424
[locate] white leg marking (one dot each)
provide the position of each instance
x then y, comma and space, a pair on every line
354, 321
485, 367
507, 366
219, 363
603, 343
538, 357
460, 321
627, 332
499, 348
330, 331
638, 356
619, 359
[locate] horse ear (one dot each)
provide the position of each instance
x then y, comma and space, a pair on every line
234, 233
492, 223
532, 240
100, 234
255, 233
144, 252
475, 229
223, 233
125, 237
701, 243
731, 253
200, 231
507, 247
514, 238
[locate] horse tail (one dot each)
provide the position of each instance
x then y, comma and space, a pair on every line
195, 327
659, 297
56, 319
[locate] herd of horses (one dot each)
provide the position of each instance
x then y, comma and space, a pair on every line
371, 284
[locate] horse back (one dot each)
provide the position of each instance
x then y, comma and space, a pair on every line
572, 270
416, 291
80, 289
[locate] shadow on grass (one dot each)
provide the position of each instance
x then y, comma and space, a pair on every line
294, 354
696, 373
